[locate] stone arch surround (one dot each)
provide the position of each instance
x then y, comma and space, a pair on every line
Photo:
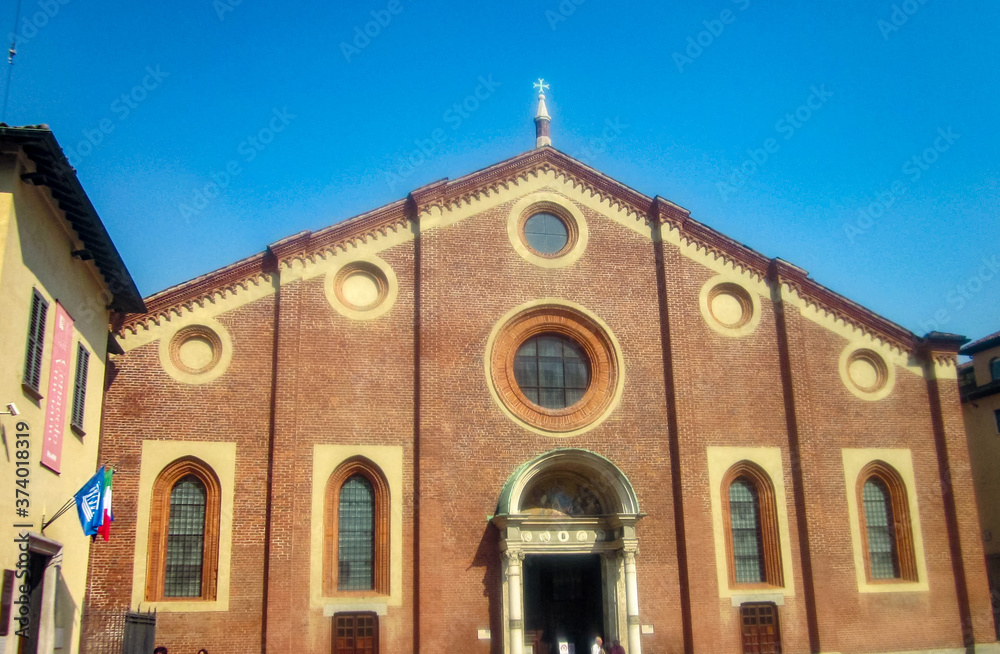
610, 533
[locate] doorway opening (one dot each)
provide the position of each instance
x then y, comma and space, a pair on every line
563, 601
37, 563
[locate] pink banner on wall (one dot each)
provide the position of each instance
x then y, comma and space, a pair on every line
55, 407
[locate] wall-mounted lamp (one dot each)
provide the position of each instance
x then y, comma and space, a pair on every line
11, 410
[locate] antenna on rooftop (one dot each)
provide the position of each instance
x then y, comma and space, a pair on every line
10, 63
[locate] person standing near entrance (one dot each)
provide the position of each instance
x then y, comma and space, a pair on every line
616, 648
598, 647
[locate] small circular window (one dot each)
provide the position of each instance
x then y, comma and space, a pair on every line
361, 289
552, 371
547, 230
546, 233
361, 286
195, 349
866, 373
730, 305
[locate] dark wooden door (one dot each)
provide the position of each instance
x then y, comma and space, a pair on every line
759, 629
355, 633
564, 600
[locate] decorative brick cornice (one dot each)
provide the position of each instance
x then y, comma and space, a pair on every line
731, 251
940, 347
360, 229
429, 195
197, 292
781, 272
667, 213
445, 194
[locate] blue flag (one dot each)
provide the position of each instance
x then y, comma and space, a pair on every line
89, 503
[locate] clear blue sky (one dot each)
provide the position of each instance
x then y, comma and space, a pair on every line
672, 99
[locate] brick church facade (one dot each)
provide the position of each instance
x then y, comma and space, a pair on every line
526, 407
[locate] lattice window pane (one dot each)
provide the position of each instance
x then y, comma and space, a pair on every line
748, 546
882, 554
546, 233
185, 539
552, 371
356, 542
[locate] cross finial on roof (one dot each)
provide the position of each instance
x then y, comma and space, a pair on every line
542, 116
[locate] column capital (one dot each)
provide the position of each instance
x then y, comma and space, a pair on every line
628, 553
513, 556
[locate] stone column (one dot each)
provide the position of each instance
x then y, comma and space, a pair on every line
632, 602
515, 628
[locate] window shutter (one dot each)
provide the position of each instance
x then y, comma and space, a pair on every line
80, 387
36, 342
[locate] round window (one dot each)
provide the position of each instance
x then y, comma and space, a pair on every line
546, 233
552, 371
554, 368
195, 349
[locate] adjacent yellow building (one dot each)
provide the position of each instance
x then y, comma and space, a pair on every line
62, 284
979, 381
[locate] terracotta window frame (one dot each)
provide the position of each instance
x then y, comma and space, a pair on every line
561, 214
902, 526
358, 465
159, 521
586, 334
768, 518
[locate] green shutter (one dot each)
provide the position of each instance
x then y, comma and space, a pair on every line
36, 341
80, 388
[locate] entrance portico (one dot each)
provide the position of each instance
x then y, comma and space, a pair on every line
563, 503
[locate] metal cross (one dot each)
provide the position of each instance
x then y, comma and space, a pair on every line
541, 86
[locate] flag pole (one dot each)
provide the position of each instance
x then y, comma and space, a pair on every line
70, 503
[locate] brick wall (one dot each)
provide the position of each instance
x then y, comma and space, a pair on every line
352, 382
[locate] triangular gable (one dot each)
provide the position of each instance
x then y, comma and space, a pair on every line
658, 213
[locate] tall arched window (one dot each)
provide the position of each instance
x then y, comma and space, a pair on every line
885, 520
357, 529
752, 542
184, 533
748, 545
